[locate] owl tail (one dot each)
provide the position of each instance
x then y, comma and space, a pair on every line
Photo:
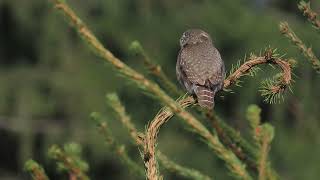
205, 97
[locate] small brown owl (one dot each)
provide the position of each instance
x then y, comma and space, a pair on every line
200, 68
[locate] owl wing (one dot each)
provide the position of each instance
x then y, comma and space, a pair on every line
189, 67
181, 75
201, 66
217, 75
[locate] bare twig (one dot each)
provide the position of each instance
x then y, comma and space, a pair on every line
307, 52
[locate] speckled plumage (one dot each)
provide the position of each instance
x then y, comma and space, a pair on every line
200, 68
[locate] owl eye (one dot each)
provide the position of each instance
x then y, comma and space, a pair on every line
184, 39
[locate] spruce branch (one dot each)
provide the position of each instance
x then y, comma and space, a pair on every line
253, 116
309, 13
36, 170
114, 102
151, 139
265, 137
154, 69
262, 135
69, 160
117, 148
269, 91
307, 52
232, 139
233, 163
274, 89
272, 92
242, 143
240, 146
234, 67
153, 88
228, 135
182, 171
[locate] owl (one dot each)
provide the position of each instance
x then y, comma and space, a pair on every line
200, 69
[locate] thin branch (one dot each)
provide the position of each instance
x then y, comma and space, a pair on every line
182, 171
263, 160
242, 148
254, 119
253, 61
114, 102
262, 136
118, 149
266, 136
307, 52
155, 69
249, 153
68, 159
239, 146
233, 163
309, 13
241, 143
36, 171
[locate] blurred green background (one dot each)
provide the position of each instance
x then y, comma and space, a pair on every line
50, 81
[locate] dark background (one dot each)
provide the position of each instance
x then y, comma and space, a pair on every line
50, 81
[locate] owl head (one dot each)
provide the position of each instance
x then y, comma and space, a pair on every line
194, 36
